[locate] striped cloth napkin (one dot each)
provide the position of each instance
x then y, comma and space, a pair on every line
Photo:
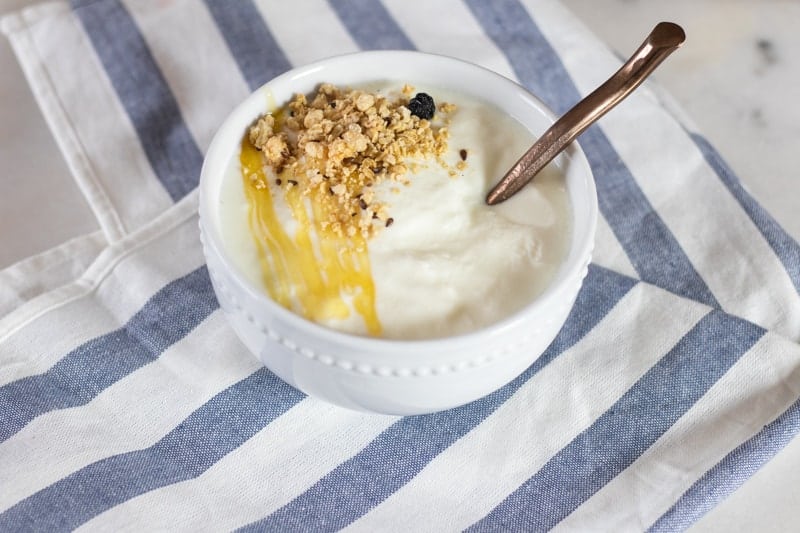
126, 401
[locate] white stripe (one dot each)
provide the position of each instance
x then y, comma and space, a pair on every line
116, 285
465, 482
195, 61
43, 272
719, 238
423, 23
306, 31
759, 387
259, 477
185, 376
59, 58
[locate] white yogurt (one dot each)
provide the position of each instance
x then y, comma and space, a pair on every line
449, 264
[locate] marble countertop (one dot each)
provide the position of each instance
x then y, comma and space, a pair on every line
33, 170
733, 78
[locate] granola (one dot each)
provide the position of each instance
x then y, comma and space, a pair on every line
342, 143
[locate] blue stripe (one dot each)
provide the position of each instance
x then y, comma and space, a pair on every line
144, 93
370, 25
730, 473
784, 246
400, 452
255, 50
239, 412
619, 436
167, 317
651, 247
221, 425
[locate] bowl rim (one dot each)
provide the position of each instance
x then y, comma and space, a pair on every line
566, 273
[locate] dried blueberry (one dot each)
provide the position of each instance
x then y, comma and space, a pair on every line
422, 105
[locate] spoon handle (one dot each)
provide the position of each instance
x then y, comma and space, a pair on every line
665, 38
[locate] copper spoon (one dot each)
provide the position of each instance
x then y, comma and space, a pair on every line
665, 38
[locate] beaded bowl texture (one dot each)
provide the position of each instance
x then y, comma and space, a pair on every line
381, 375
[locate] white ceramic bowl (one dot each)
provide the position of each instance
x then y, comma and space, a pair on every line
390, 376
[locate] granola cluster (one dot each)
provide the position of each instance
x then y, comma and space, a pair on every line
339, 146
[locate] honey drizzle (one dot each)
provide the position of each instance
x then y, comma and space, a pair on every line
312, 283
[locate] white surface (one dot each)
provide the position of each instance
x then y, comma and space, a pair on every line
730, 82
40, 205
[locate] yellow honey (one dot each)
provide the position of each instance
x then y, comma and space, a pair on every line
314, 273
